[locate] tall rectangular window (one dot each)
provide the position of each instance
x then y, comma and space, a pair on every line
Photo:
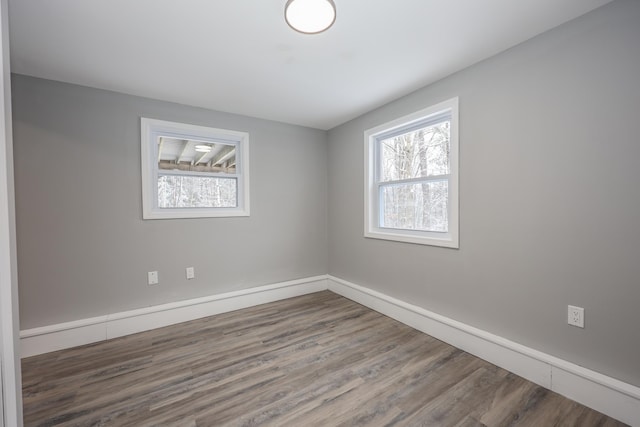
412, 177
193, 171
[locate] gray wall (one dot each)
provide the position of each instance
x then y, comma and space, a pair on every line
83, 248
549, 196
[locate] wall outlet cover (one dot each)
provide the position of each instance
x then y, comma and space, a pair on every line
575, 316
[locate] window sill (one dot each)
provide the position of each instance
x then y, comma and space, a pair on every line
195, 213
420, 238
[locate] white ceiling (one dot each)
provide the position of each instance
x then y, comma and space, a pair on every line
240, 56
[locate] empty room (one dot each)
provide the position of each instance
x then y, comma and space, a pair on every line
320, 213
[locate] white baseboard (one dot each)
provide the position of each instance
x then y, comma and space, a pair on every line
71, 334
600, 392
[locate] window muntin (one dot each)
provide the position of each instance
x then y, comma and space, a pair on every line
193, 171
412, 178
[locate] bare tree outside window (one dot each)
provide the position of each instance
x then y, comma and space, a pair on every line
196, 192
414, 170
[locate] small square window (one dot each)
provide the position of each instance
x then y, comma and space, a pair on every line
193, 171
411, 184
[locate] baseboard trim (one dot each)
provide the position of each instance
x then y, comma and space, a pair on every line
86, 331
600, 392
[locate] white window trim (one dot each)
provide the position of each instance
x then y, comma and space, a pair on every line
371, 196
150, 129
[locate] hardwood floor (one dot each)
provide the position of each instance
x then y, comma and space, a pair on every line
315, 360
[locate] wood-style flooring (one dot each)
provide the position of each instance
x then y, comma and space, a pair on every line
315, 360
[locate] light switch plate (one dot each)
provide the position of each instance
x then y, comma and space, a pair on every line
152, 277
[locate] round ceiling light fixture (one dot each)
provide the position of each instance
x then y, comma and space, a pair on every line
310, 16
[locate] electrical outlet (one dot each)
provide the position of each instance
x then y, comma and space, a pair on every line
191, 274
576, 316
152, 277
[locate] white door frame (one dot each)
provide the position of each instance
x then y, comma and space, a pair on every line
11, 395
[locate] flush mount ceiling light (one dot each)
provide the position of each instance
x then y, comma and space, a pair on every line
310, 16
203, 148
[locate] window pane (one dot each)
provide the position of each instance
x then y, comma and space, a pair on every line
416, 154
415, 206
178, 191
195, 156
